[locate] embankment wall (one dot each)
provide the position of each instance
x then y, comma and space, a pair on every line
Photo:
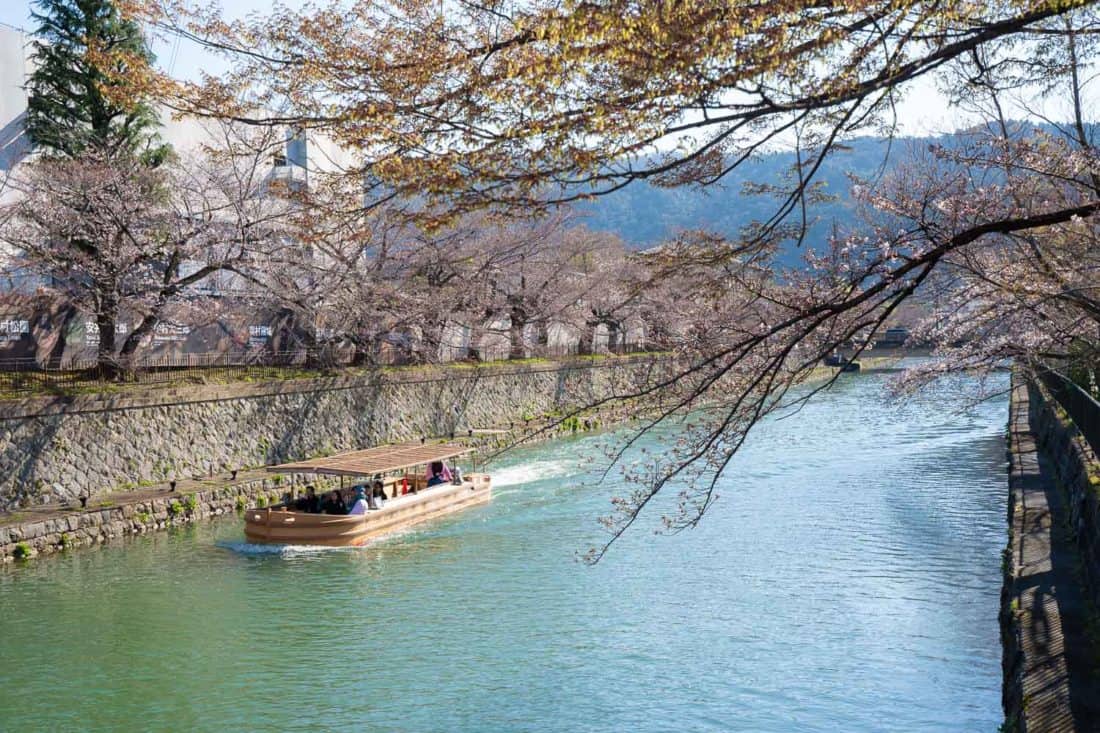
56, 450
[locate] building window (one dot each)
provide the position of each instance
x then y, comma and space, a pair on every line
296, 148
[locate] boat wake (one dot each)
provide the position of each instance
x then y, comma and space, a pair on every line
526, 473
249, 548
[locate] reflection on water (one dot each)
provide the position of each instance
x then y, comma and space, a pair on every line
846, 581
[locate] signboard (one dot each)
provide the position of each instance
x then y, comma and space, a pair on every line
91, 332
258, 336
13, 328
169, 332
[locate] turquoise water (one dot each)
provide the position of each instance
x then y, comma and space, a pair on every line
847, 580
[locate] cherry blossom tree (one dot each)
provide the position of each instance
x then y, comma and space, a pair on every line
111, 234
517, 108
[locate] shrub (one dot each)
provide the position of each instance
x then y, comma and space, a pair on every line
22, 551
191, 503
261, 501
175, 509
241, 503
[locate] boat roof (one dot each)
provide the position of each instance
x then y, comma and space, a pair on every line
370, 461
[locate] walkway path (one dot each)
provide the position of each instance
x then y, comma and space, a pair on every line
1055, 657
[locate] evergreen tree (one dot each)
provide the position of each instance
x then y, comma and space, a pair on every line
69, 105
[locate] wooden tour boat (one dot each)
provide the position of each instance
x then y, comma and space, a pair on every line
409, 500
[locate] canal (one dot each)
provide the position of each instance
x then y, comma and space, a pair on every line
847, 580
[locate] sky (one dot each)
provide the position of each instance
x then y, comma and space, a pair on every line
923, 111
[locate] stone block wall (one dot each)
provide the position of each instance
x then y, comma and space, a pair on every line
83, 528
54, 450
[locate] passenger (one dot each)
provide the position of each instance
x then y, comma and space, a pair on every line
301, 504
360, 506
379, 494
334, 504
310, 503
435, 473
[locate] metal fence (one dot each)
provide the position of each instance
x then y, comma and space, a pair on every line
1082, 408
29, 376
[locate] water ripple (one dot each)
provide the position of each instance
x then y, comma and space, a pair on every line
847, 580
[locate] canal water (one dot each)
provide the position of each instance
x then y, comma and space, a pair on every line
847, 580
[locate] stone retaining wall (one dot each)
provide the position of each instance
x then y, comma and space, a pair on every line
81, 528
55, 450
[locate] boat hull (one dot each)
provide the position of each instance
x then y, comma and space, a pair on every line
282, 527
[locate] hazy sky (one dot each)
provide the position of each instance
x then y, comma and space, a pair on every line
923, 111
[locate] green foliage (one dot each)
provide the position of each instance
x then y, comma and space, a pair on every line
70, 105
261, 501
143, 517
277, 479
191, 503
175, 509
66, 540
241, 503
22, 551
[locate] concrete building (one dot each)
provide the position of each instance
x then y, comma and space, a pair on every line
13, 101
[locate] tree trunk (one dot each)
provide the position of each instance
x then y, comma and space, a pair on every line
364, 352
588, 336
106, 318
542, 338
431, 337
57, 351
614, 337
134, 338
367, 348
518, 324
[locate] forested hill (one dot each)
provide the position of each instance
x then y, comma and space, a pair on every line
644, 215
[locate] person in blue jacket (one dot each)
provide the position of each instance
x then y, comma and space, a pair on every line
360, 505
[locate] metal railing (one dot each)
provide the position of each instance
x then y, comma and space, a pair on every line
1082, 408
29, 375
